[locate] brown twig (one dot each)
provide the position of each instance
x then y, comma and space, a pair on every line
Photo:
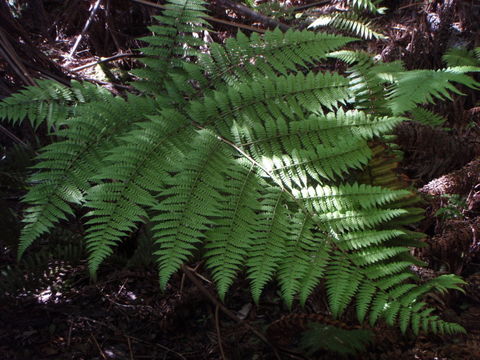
111, 58
219, 337
190, 274
129, 342
98, 346
13, 137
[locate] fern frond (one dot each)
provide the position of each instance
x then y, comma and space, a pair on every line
322, 162
270, 97
245, 58
342, 282
459, 56
299, 269
349, 22
275, 136
48, 101
269, 247
427, 117
367, 5
424, 86
137, 168
358, 219
189, 203
175, 39
235, 232
66, 167
346, 197
362, 239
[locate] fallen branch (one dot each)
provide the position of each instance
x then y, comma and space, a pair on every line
111, 58
253, 15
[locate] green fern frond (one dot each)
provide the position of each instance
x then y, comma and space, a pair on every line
48, 101
349, 22
274, 136
136, 168
359, 219
342, 282
235, 232
270, 97
321, 163
346, 197
269, 247
66, 167
367, 5
252, 161
305, 259
424, 86
362, 239
176, 38
460, 56
245, 58
427, 117
189, 204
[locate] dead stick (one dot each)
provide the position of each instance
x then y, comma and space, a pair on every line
111, 58
85, 27
98, 346
219, 337
189, 272
13, 136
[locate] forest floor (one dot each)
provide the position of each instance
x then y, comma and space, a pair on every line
59, 314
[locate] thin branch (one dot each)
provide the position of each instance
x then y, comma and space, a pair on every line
111, 58
85, 28
219, 337
14, 137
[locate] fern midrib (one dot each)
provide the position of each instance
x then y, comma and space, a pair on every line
300, 133
270, 227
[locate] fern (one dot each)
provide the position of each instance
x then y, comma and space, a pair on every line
352, 20
462, 57
252, 161
425, 86
349, 22
48, 101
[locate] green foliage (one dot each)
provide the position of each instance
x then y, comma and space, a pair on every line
48, 101
462, 57
334, 339
352, 20
254, 162
349, 22
454, 207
